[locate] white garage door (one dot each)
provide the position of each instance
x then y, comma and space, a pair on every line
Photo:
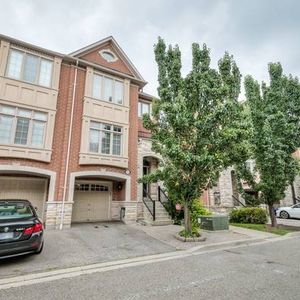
25, 188
91, 202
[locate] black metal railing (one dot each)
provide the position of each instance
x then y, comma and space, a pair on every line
149, 203
164, 199
237, 202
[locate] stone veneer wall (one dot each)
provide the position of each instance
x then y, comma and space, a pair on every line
225, 188
53, 215
130, 211
288, 199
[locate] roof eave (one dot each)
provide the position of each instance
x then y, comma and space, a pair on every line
82, 62
31, 46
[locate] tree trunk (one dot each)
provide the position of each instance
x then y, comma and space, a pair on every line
272, 215
187, 219
293, 193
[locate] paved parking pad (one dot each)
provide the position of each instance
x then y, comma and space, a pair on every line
85, 244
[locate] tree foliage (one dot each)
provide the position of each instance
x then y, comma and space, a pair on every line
274, 111
197, 125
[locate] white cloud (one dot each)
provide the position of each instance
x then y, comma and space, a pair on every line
255, 32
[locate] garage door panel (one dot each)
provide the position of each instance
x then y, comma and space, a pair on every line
91, 205
33, 190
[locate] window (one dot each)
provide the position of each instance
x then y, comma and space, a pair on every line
22, 126
15, 64
45, 72
105, 139
22, 131
38, 129
29, 67
91, 187
15, 211
119, 92
144, 108
108, 89
108, 55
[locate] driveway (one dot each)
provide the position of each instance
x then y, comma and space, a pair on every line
85, 244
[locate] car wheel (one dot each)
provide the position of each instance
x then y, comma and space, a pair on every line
40, 250
284, 215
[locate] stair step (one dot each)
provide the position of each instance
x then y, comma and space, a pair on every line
161, 222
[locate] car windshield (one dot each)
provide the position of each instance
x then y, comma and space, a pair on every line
15, 211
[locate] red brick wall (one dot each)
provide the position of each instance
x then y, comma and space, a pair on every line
133, 139
117, 65
62, 130
59, 144
143, 132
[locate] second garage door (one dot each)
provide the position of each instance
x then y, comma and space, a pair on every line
25, 188
91, 202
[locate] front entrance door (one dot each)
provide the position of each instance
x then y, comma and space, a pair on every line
146, 186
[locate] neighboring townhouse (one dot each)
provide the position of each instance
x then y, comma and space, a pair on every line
225, 194
71, 137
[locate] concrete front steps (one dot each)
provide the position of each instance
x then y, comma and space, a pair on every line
161, 216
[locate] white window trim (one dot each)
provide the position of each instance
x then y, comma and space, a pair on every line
40, 57
101, 52
102, 87
30, 127
140, 105
111, 139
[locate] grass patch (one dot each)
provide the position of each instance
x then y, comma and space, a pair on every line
263, 227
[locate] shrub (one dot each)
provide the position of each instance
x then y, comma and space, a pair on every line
194, 233
250, 215
197, 210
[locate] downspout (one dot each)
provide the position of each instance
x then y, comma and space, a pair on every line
62, 213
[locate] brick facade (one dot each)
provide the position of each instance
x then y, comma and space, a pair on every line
70, 102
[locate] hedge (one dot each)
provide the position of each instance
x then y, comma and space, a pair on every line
249, 215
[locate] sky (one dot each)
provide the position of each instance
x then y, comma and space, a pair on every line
255, 32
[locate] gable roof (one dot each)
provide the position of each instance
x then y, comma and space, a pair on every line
85, 50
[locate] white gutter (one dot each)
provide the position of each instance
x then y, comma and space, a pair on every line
62, 213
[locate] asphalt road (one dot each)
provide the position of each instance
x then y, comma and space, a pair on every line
263, 271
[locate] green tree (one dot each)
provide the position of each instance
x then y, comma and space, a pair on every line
197, 124
274, 111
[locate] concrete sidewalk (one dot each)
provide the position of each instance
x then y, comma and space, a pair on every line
165, 234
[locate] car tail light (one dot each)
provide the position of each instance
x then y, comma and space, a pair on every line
36, 228
28, 231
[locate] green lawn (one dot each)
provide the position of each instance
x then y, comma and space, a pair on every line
263, 227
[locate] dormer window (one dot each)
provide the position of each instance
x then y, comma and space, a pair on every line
108, 55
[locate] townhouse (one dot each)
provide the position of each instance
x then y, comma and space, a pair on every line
72, 140
71, 135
